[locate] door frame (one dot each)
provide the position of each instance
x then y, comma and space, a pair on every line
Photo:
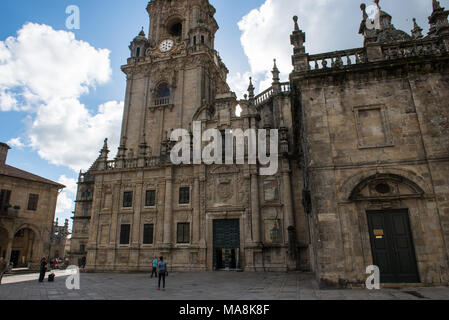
388, 226
238, 259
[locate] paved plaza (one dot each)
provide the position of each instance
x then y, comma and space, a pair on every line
200, 286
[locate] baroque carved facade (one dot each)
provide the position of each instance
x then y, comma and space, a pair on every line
363, 154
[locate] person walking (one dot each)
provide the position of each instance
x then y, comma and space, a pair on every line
83, 262
162, 270
3, 268
154, 267
43, 269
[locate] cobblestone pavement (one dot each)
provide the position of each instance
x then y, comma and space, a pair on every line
200, 286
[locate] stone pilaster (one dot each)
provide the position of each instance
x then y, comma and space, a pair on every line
196, 210
168, 212
255, 210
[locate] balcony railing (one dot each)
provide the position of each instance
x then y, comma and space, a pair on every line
164, 101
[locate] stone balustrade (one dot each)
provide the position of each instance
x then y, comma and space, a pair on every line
337, 59
267, 94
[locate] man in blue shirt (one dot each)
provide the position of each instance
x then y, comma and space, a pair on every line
162, 270
154, 267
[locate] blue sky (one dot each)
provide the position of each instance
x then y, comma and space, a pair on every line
252, 33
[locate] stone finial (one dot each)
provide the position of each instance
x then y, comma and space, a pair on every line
436, 5
142, 33
251, 88
438, 20
295, 19
105, 145
275, 73
417, 30
364, 14
105, 150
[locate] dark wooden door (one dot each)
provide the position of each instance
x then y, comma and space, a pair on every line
226, 244
392, 246
15, 258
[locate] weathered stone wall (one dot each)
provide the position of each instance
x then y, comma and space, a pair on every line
39, 221
358, 127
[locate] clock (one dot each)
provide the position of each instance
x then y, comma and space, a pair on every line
166, 45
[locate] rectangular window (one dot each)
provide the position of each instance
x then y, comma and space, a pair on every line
150, 198
86, 212
5, 196
183, 235
148, 233
124, 233
82, 248
128, 199
271, 190
32, 202
184, 195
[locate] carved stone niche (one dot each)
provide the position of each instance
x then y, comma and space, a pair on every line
224, 189
222, 185
385, 187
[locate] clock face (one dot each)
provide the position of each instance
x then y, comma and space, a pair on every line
166, 45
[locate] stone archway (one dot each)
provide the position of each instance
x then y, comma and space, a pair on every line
23, 247
392, 214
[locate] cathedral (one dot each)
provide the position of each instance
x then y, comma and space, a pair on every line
363, 158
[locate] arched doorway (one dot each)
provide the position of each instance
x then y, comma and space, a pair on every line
386, 201
23, 248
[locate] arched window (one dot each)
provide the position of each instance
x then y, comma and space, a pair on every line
138, 52
163, 91
162, 94
176, 29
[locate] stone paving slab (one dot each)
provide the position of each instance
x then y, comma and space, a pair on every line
200, 286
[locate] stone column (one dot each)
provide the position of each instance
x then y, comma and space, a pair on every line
255, 210
135, 235
116, 191
8, 250
168, 212
196, 210
287, 198
95, 215
137, 210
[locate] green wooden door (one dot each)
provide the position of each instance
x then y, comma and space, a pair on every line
392, 246
226, 244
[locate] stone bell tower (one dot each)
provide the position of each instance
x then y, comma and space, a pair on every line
170, 75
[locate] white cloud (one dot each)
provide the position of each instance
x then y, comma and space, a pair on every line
16, 143
329, 26
45, 72
239, 83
